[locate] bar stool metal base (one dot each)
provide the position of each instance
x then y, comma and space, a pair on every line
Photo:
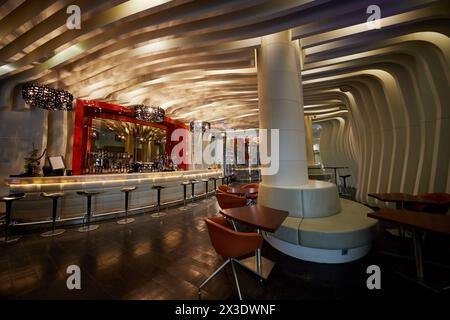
52, 233
158, 214
125, 221
11, 239
88, 228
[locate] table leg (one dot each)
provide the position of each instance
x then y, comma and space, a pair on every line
418, 254
258, 264
258, 256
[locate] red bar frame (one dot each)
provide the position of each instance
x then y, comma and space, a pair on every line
86, 110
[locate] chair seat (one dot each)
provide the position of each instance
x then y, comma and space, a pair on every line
158, 187
52, 195
345, 176
194, 181
205, 180
185, 183
128, 189
13, 196
252, 196
88, 192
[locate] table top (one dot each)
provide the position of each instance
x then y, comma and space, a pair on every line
423, 220
258, 216
335, 167
238, 190
401, 197
393, 197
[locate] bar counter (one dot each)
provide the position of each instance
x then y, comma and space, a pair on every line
35, 210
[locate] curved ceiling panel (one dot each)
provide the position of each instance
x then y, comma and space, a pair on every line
197, 58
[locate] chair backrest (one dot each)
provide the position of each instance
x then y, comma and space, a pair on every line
223, 188
229, 243
250, 185
227, 201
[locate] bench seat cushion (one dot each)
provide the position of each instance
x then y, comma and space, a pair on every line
288, 231
350, 228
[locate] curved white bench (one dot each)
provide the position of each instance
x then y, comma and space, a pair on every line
338, 238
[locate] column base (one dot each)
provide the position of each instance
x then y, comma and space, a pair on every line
88, 228
125, 221
53, 233
10, 239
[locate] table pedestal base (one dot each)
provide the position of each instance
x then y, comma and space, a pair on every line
251, 264
421, 282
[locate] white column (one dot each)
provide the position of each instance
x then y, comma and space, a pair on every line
281, 106
69, 138
57, 133
309, 141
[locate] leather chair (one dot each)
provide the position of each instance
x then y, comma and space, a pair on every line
227, 201
251, 197
230, 245
223, 188
250, 185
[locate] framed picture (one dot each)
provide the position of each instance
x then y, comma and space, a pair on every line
57, 162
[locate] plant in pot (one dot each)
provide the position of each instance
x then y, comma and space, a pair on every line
32, 162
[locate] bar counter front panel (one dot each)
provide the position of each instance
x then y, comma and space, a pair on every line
34, 209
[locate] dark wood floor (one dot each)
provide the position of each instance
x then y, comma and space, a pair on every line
168, 257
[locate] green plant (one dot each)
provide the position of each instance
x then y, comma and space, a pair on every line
32, 161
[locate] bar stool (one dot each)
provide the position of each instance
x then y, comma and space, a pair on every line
193, 182
344, 179
214, 180
206, 189
158, 214
54, 196
184, 184
87, 222
127, 191
223, 179
8, 200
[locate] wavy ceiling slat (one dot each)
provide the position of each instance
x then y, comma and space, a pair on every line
8, 6
40, 32
196, 58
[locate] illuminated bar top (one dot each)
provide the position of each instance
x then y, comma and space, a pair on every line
115, 177
110, 202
